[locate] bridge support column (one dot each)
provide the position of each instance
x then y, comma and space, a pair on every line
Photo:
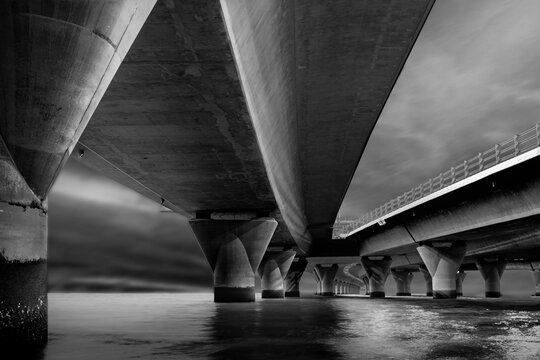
292, 280
535, 274
443, 261
273, 269
336, 287
234, 249
491, 271
318, 282
327, 275
55, 66
427, 277
377, 269
460, 278
403, 280
365, 279
23, 275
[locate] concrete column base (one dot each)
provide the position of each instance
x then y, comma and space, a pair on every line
492, 271
273, 269
443, 261
230, 294
292, 279
327, 275
460, 277
445, 294
295, 293
377, 271
430, 294
273, 294
234, 250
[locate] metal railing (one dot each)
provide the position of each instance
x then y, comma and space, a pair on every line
519, 144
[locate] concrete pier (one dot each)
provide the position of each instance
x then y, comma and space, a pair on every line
492, 271
443, 261
58, 58
403, 280
292, 279
365, 279
234, 250
377, 269
327, 275
460, 278
427, 277
318, 282
272, 270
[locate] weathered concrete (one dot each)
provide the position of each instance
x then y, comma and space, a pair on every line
460, 278
58, 58
443, 263
292, 280
492, 271
403, 280
377, 269
327, 275
272, 270
427, 277
234, 250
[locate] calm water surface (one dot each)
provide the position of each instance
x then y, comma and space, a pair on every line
191, 326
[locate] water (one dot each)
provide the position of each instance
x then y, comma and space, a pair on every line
191, 326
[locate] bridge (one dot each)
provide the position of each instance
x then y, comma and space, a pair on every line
248, 117
481, 215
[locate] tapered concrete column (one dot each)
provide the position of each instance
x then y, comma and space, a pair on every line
535, 274
365, 279
327, 275
460, 277
234, 250
273, 269
318, 280
341, 288
57, 59
292, 280
427, 277
403, 282
336, 287
443, 261
377, 269
491, 270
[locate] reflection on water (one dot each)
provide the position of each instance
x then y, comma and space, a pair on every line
180, 326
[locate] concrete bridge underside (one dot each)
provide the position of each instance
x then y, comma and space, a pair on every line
261, 106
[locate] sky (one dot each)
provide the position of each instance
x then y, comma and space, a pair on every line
471, 81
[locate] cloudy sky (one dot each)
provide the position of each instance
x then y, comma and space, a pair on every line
471, 81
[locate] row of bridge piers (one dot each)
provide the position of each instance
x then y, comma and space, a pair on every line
237, 249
